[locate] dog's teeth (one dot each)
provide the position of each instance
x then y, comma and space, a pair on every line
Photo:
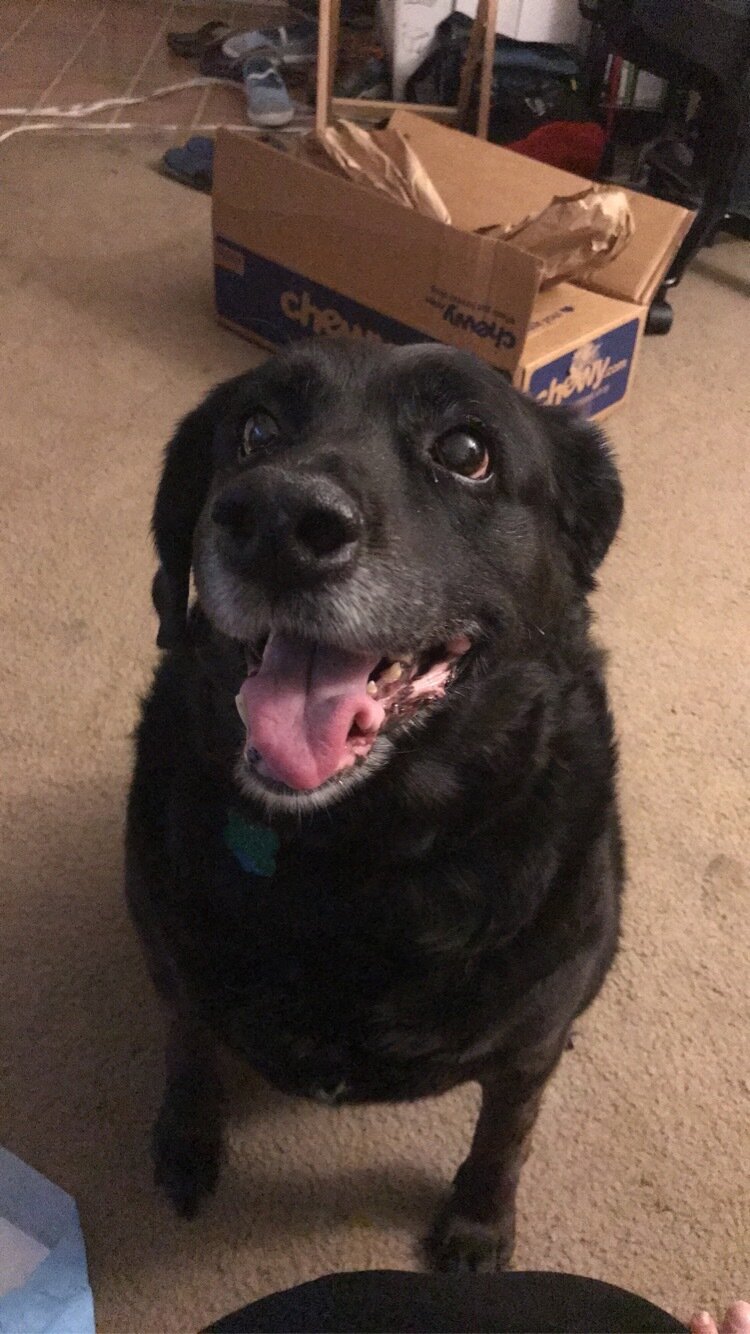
240, 705
459, 645
372, 689
391, 674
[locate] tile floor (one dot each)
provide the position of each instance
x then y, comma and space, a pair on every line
54, 53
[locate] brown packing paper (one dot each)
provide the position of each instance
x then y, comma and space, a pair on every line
574, 234
382, 160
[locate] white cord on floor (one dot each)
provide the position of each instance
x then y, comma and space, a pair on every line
79, 109
145, 128
95, 125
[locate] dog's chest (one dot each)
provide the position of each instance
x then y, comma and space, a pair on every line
317, 980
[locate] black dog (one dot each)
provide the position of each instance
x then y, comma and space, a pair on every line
395, 866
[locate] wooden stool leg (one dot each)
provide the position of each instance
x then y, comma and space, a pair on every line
328, 45
469, 68
488, 60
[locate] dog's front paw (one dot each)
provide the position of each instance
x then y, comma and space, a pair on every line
458, 1244
186, 1160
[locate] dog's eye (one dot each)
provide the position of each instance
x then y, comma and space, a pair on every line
260, 429
461, 452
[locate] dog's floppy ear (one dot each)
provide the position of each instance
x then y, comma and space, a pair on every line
182, 491
588, 496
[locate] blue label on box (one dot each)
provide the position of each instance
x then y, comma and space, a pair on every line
278, 305
592, 377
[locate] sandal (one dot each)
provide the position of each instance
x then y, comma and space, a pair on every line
216, 65
189, 44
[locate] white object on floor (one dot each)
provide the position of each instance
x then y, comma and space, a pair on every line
535, 20
44, 1284
19, 1256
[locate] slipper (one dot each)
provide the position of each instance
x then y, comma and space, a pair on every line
189, 44
192, 164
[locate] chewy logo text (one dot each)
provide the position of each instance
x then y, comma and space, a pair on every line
497, 333
579, 381
299, 307
587, 370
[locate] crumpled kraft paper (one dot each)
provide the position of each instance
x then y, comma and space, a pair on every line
383, 160
575, 234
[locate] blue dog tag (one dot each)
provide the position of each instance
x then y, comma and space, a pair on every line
253, 845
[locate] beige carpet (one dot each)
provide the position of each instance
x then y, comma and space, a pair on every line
640, 1168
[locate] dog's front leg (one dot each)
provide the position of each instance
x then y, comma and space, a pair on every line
476, 1228
188, 1131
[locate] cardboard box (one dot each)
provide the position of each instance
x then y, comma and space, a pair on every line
300, 251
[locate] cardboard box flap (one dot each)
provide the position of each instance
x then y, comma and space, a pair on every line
433, 278
483, 184
566, 316
480, 183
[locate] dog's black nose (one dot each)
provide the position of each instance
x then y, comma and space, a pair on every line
291, 527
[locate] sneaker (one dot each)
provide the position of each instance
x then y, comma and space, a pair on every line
268, 102
296, 44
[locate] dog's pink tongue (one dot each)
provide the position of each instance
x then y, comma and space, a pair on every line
301, 706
